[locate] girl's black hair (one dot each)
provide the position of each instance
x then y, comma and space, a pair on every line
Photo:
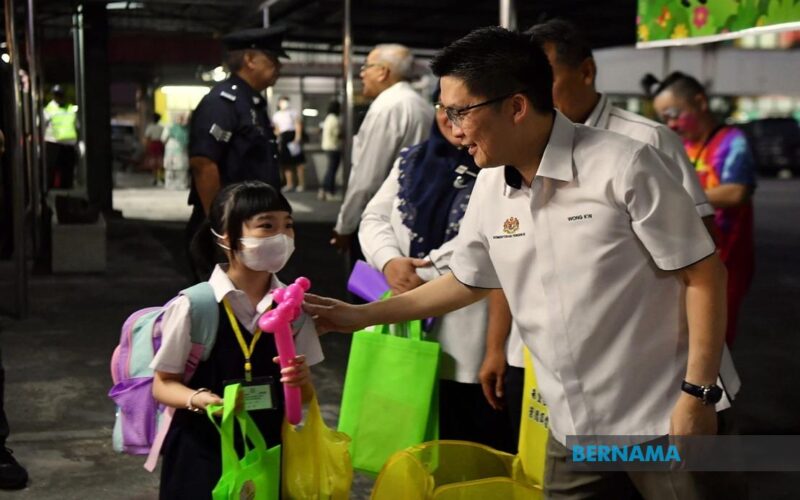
680, 84
233, 205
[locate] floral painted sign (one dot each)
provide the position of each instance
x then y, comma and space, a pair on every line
663, 23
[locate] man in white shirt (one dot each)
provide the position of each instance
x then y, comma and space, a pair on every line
575, 95
398, 118
607, 267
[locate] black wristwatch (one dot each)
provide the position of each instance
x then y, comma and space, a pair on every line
708, 394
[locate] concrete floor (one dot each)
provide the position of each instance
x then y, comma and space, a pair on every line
57, 373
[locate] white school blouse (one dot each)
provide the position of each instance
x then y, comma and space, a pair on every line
176, 323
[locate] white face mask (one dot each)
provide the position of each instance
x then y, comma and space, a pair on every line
264, 254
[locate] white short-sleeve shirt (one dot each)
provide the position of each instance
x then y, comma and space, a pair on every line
584, 255
176, 337
609, 117
285, 120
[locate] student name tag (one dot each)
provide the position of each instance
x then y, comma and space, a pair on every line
257, 394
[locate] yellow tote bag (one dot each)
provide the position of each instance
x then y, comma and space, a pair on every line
534, 426
316, 460
453, 470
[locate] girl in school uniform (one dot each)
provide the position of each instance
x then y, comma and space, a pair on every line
250, 226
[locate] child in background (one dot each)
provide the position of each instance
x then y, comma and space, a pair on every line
251, 224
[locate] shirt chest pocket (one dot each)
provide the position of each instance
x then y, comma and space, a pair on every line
589, 226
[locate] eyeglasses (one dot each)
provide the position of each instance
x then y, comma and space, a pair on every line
456, 115
365, 67
670, 114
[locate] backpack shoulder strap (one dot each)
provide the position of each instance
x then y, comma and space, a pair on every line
204, 313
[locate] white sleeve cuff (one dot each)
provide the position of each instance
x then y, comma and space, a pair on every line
428, 273
383, 256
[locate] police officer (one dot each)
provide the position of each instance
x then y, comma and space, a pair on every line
231, 137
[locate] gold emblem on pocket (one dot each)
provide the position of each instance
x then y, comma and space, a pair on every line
511, 225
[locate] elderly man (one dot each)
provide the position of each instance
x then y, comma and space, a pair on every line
611, 275
398, 118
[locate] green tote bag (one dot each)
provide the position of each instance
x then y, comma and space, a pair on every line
256, 476
390, 399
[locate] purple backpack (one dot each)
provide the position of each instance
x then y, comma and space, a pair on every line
141, 422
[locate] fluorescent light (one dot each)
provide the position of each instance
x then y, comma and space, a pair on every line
185, 89
124, 5
6, 58
310, 112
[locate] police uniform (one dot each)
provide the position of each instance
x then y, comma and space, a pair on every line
230, 125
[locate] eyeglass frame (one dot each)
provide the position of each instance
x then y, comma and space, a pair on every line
366, 66
456, 115
671, 113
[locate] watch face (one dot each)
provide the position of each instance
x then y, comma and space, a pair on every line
712, 394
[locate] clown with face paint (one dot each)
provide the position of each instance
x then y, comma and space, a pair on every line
725, 167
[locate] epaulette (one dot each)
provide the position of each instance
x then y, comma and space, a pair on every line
227, 95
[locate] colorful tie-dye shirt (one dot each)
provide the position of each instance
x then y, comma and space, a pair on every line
727, 159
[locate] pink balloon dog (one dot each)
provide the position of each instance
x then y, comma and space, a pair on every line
278, 321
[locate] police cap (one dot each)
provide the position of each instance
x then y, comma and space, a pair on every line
267, 39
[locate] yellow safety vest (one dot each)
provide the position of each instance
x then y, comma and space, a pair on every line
62, 121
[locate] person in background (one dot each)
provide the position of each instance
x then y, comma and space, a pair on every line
176, 153
407, 231
397, 118
726, 169
154, 149
289, 128
332, 145
61, 136
231, 138
12, 475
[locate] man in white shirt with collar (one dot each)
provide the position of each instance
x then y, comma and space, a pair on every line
609, 271
398, 118
574, 95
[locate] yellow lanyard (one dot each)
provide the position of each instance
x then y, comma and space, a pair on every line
248, 352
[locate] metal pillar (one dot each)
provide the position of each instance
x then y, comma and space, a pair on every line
265, 20
37, 173
347, 75
96, 103
80, 93
17, 166
508, 14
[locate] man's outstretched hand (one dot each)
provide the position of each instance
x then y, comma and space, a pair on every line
331, 315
